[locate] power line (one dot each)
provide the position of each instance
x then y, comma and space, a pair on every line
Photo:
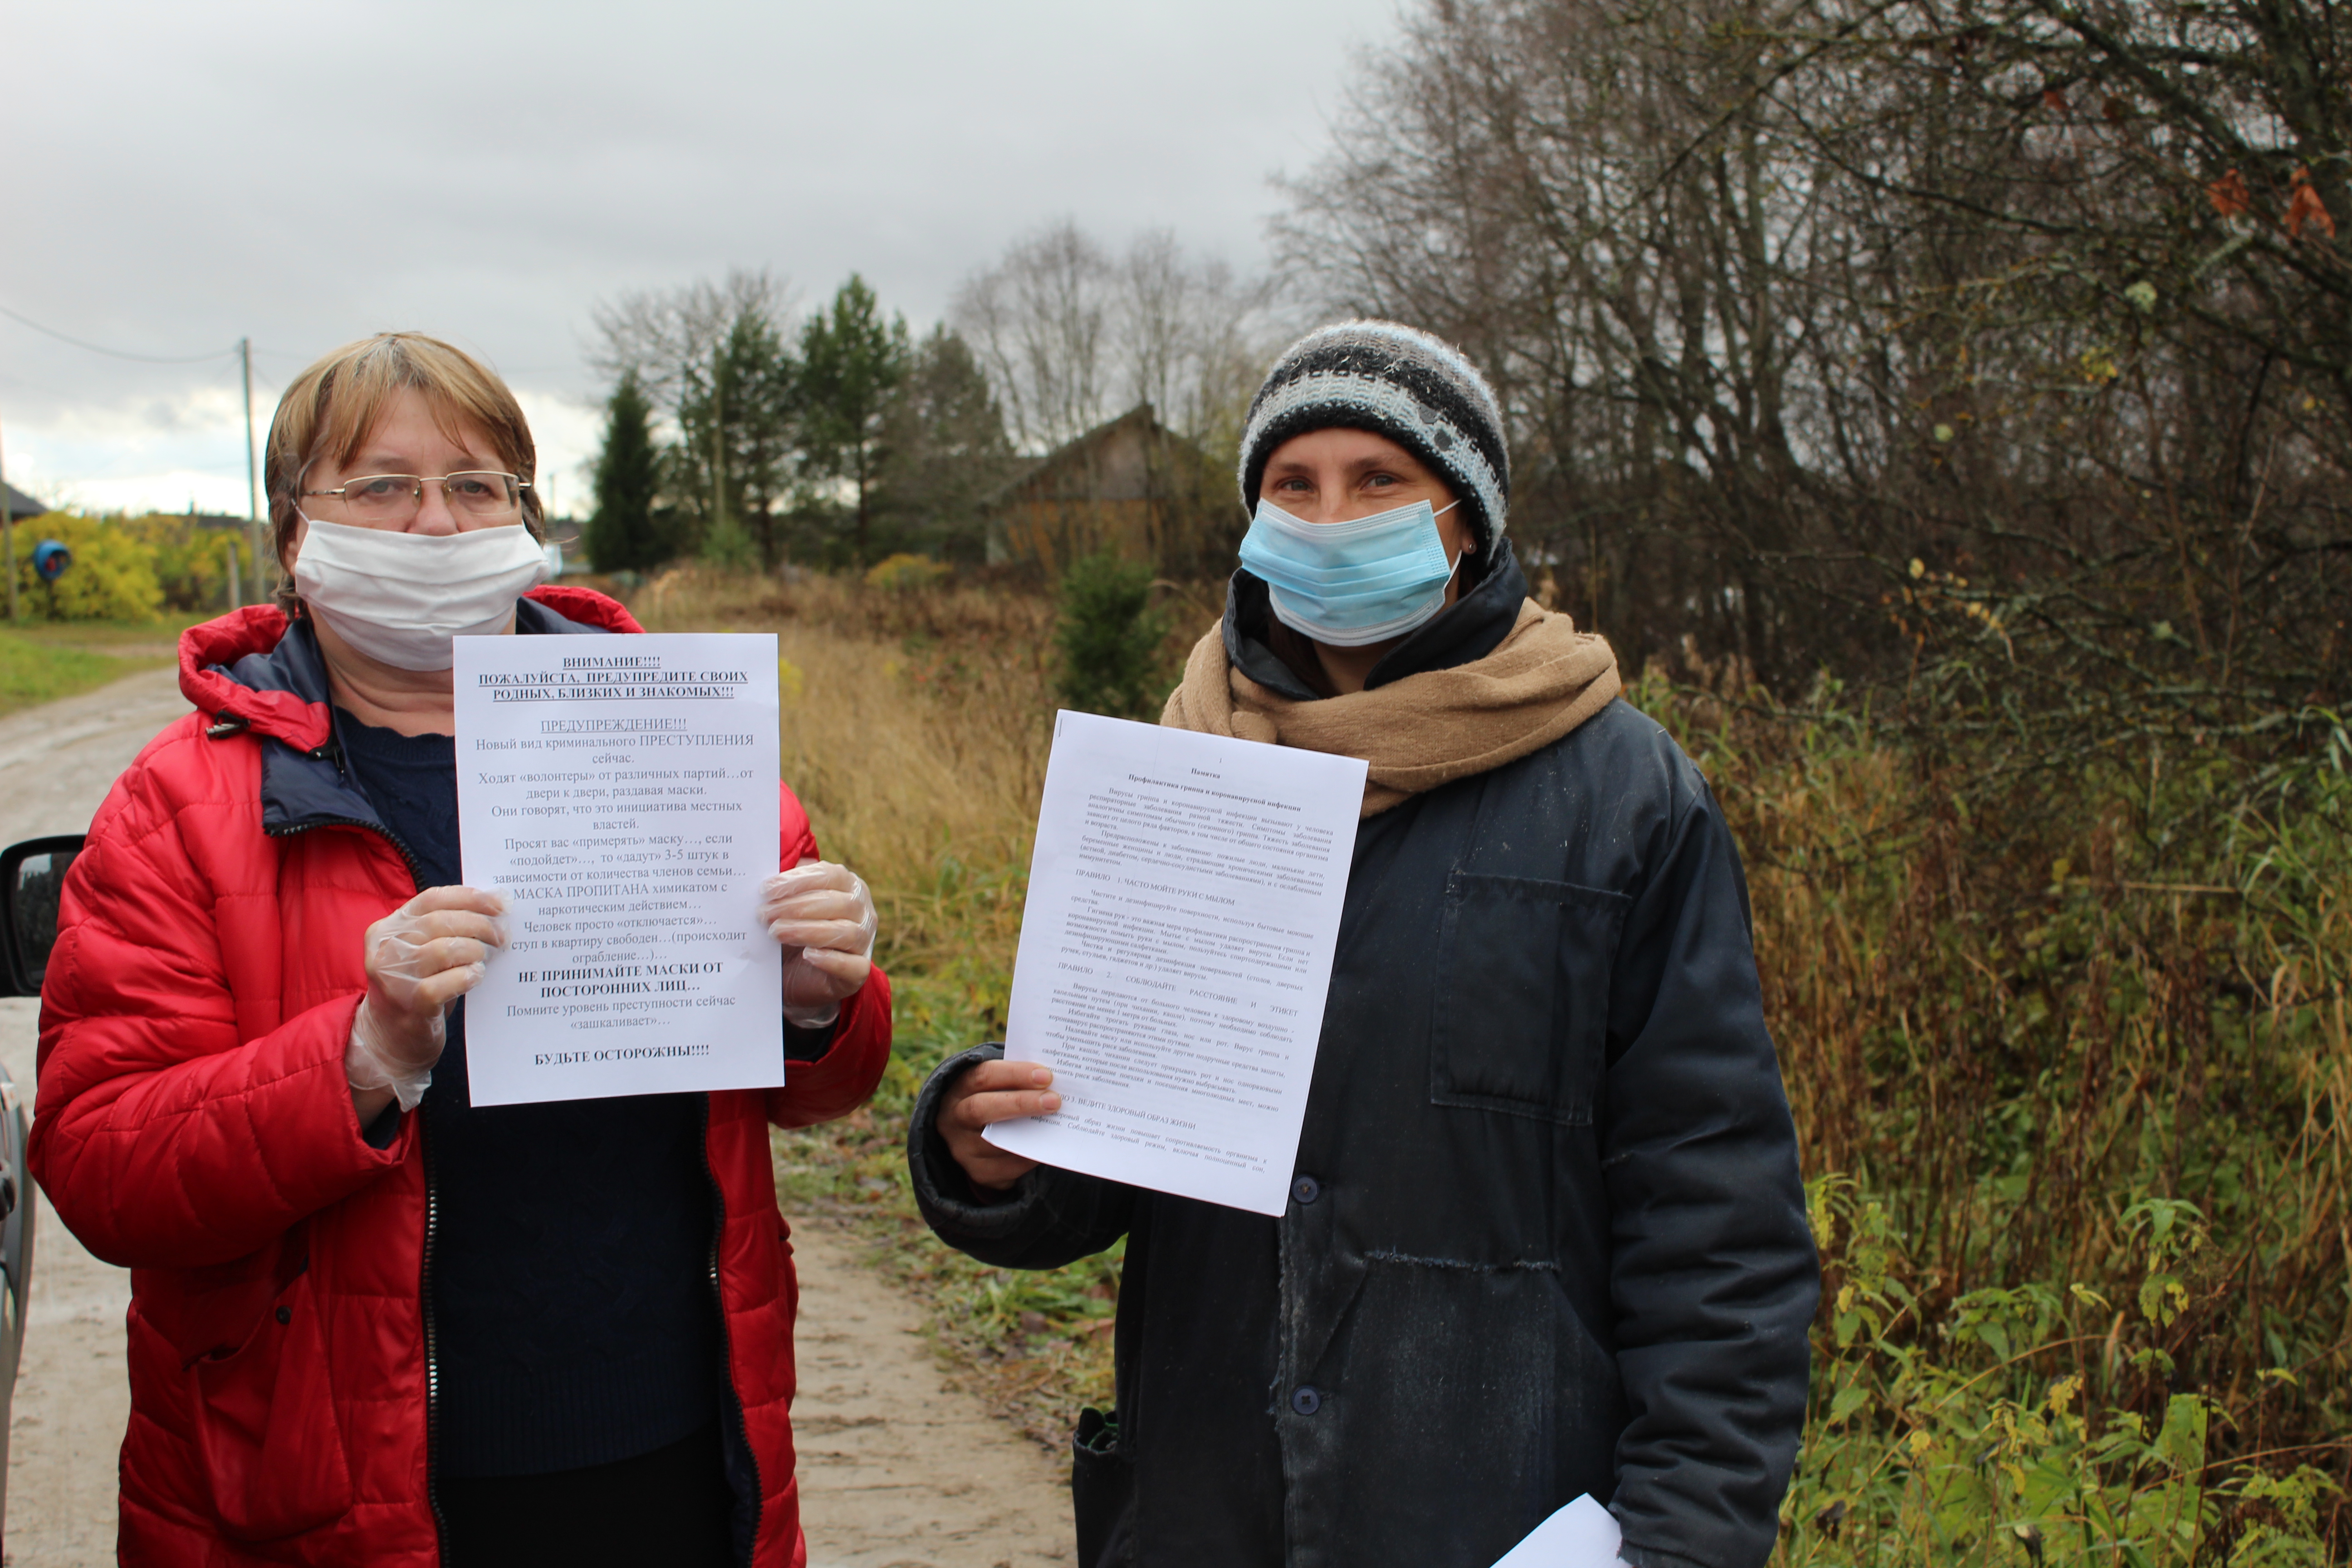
115, 354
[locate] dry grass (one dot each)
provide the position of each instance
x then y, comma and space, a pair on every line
2068, 1055
915, 727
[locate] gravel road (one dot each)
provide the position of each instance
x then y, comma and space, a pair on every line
896, 1470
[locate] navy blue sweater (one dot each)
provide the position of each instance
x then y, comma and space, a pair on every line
569, 1272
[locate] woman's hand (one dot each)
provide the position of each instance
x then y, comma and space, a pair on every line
824, 910
420, 958
987, 1093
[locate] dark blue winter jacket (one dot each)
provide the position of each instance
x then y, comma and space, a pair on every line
1546, 1234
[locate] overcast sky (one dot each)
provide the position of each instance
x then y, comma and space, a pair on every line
175, 176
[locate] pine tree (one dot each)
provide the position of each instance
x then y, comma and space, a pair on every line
733, 457
625, 535
850, 360
1109, 634
944, 452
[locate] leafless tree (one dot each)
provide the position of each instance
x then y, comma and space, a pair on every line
711, 355
1783, 296
1071, 335
1039, 321
1192, 339
666, 336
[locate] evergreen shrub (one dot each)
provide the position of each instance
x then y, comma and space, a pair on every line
1108, 635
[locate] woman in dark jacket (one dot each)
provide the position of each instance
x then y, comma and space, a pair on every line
1546, 1235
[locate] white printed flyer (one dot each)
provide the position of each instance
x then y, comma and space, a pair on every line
1176, 952
621, 793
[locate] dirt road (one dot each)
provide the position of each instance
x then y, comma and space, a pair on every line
895, 1470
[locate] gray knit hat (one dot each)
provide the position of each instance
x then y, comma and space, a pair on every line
1396, 382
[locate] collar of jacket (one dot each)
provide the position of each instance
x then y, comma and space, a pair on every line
254, 670
1469, 629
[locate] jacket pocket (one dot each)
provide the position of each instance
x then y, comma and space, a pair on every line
1102, 1492
1522, 995
267, 1439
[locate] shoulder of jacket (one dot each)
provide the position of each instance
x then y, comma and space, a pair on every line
185, 764
1625, 745
792, 818
1619, 773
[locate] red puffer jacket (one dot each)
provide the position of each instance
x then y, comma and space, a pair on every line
195, 1124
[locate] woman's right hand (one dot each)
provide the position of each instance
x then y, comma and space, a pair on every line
986, 1094
420, 958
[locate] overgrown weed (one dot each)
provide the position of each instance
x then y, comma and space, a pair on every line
2070, 1045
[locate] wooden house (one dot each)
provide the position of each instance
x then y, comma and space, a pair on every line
1131, 486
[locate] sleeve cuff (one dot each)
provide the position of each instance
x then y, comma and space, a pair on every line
809, 1045
381, 1134
949, 1201
1636, 1557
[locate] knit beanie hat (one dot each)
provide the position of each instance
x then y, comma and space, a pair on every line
1394, 381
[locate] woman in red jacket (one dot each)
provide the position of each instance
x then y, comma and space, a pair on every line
371, 1322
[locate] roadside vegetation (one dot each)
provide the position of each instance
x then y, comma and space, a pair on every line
134, 585
1956, 394
34, 669
2069, 1055
128, 570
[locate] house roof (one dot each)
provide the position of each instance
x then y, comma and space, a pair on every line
1079, 448
20, 504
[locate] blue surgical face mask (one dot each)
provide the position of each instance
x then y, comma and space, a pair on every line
1348, 584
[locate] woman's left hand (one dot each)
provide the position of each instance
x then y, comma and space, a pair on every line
824, 910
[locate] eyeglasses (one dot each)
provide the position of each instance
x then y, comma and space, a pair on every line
395, 498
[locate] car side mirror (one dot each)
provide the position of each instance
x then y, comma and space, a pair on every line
32, 876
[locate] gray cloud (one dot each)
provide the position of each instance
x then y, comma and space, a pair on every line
180, 176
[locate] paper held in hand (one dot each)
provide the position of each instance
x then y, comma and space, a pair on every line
621, 791
1583, 1535
1175, 952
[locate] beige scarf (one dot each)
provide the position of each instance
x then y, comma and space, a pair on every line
1425, 730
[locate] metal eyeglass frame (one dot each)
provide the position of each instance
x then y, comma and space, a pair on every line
522, 486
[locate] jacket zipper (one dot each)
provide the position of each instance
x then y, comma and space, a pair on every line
432, 1353
432, 1213
732, 1399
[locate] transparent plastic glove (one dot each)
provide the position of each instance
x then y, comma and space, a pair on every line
420, 958
824, 910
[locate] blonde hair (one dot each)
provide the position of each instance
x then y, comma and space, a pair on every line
331, 408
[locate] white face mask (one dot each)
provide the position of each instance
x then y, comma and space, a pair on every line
400, 597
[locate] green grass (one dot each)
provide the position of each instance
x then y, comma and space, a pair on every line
36, 669
142, 640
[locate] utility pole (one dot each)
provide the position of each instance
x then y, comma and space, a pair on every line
252, 471
8, 536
